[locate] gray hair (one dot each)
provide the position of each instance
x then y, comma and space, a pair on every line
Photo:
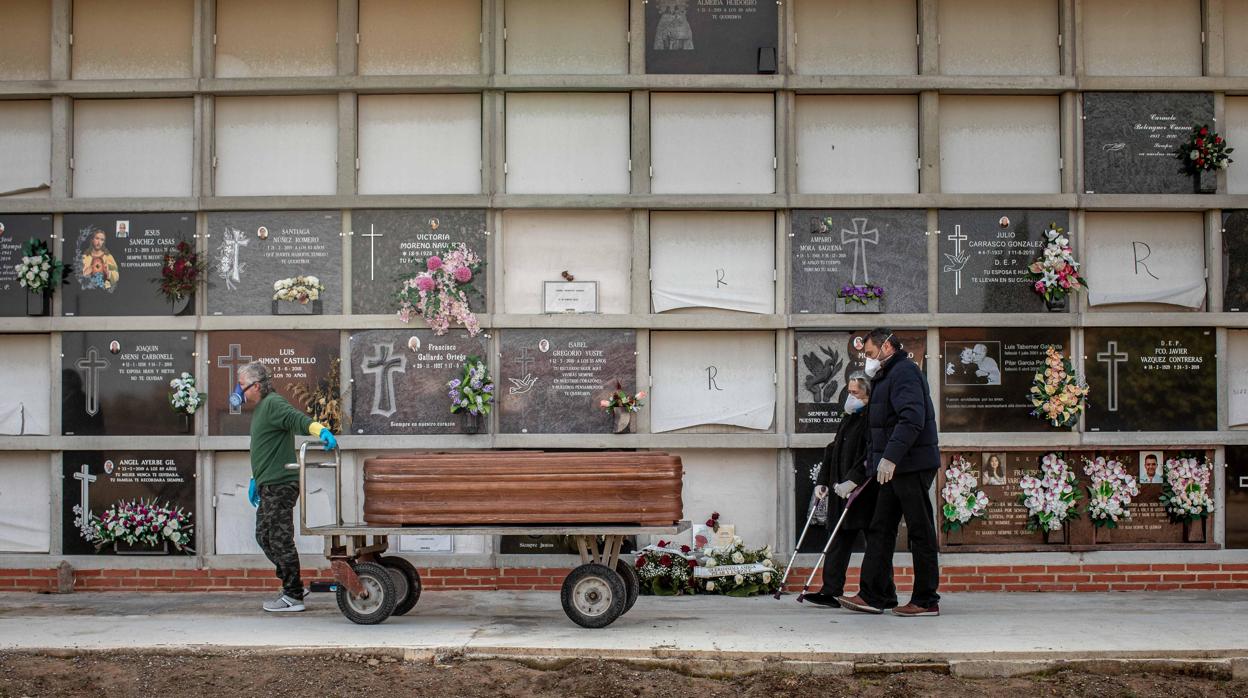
256, 372
861, 379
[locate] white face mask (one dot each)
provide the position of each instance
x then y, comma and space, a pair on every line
873, 367
853, 404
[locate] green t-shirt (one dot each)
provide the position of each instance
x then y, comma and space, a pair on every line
273, 427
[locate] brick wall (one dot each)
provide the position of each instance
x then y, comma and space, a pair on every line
1069, 578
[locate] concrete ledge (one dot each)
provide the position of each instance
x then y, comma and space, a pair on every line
1220, 669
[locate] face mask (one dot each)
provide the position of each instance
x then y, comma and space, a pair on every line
873, 367
237, 398
853, 404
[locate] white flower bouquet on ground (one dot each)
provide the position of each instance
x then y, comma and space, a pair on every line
735, 570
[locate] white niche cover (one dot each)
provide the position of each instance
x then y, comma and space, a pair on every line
740, 484
155, 39
26, 52
420, 144
856, 37
26, 146
1141, 37
998, 37
567, 143
236, 518
857, 144
711, 259
712, 378
133, 147
1235, 32
1153, 258
25, 503
567, 37
1237, 377
420, 37
271, 146
539, 245
1000, 145
276, 38
25, 371
1236, 132
712, 143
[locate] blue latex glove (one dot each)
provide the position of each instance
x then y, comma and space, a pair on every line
253, 493
327, 438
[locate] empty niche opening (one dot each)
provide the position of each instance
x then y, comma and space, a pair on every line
539, 246
26, 147
857, 144
992, 37
25, 503
721, 380
276, 38
714, 143
567, 143
713, 260
26, 52
133, 147
1142, 37
857, 37
420, 144
132, 39
567, 37
420, 37
1148, 261
268, 146
1000, 145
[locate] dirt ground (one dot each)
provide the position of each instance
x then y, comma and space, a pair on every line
123, 675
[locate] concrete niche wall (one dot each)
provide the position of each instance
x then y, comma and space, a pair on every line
1141, 37
999, 37
26, 145
567, 143
133, 147
1235, 34
711, 260
739, 484
25, 502
591, 245
276, 38
1000, 145
132, 39
25, 370
26, 54
712, 143
1237, 133
420, 144
567, 37
276, 145
236, 519
857, 144
1145, 260
856, 37
420, 37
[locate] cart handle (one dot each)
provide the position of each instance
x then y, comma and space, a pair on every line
302, 467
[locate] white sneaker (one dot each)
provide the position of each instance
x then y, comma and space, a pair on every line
283, 604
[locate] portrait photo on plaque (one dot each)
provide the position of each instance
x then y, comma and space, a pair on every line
986, 376
994, 469
117, 260
1151, 471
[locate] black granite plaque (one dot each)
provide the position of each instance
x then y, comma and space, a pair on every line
388, 246
117, 383
1151, 378
987, 374
95, 481
552, 381
117, 259
551, 545
805, 473
294, 358
831, 248
15, 230
250, 251
711, 36
984, 255
1237, 497
825, 361
1235, 253
1130, 139
399, 380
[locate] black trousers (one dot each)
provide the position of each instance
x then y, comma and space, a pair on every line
905, 495
837, 561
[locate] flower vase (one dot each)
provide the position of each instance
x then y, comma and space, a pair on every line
1057, 537
844, 305
1194, 531
38, 304
623, 421
469, 423
1056, 305
1102, 534
292, 308
182, 306
956, 536
187, 422
121, 547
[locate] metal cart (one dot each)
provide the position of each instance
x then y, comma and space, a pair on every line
372, 586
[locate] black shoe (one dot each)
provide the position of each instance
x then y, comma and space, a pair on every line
822, 599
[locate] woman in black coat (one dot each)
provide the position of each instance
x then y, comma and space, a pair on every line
843, 469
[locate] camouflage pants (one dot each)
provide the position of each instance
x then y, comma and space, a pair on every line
275, 532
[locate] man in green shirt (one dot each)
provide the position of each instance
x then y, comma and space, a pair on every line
274, 489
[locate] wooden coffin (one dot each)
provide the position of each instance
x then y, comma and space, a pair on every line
523, 487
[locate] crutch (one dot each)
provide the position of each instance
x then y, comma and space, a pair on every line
818, 565
810, 517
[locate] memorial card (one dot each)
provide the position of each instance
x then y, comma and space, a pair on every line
301, 363
251, 251
1151, 378
711, 36
832, 248
117, 261
117, 383
825, 361
95, 482
984, 255
15, 230
986, 376
1130, 140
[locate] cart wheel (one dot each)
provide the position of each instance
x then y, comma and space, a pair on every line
632, 585
378, 604
406, 582
593, 596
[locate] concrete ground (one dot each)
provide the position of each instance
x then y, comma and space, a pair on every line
979, 634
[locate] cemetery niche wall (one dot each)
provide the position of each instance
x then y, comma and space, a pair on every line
300, 362
117, 383
250, 252
15, 231
95, 481
984, 255
986, 375
1129, 141
825, 361
116, 259
711, 36
1151, 378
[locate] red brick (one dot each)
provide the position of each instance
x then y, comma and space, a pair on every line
1203, 567
1234, 567
1136, 568
14, 572
1168, 568
1215, 577
118, 573
1056, 569
86, 573
1197, 585
196, 574
1080, 578
1100, 568
1243, 584
45, 574
994, 569
1091, 587
1178, 577
1143, 577
984, 587
155, 573
1000, 579
1055, 587
1110, 578
1036, 578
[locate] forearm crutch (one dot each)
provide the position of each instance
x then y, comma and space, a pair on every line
818, 565
809, 517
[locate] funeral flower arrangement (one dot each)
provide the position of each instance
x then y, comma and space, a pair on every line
853, 293
1185, 491
621, 400
665, 570
440, 293
964, 502
1056, 395
180, 273
142, 522
322, 400
1109, 496
738, 571
299, 289
39, 271
1056, 274
473, 391
1203, 151
184, 398
1051, 499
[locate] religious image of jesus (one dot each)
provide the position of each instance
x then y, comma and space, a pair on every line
99, 268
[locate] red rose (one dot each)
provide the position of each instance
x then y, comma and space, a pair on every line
685, 549
666, 561
715, 515
1217, 139
1200, 141
662, 543
710, 523
641, 561
1204, 131
693, 563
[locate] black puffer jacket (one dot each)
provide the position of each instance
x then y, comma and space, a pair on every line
845, 458
902, 418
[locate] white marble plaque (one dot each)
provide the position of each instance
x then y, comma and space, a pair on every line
712, 378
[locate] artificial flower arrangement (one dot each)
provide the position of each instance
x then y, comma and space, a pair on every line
1052, 498
854, 293
180, 272
440, 293
299, 289
473, 391
1056, 274
964, 502
1056, 394
184, 398
738, 571
39, 271
666, 570
1185, 491
1203, 151
1109, 495
621, 400
142, 522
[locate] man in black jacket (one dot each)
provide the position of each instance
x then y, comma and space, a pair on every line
904, 455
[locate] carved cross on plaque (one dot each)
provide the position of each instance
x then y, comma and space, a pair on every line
234, 361
957, 260
859, 237
92, 364
85, 477
371, 234
1112, 357
382, 366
